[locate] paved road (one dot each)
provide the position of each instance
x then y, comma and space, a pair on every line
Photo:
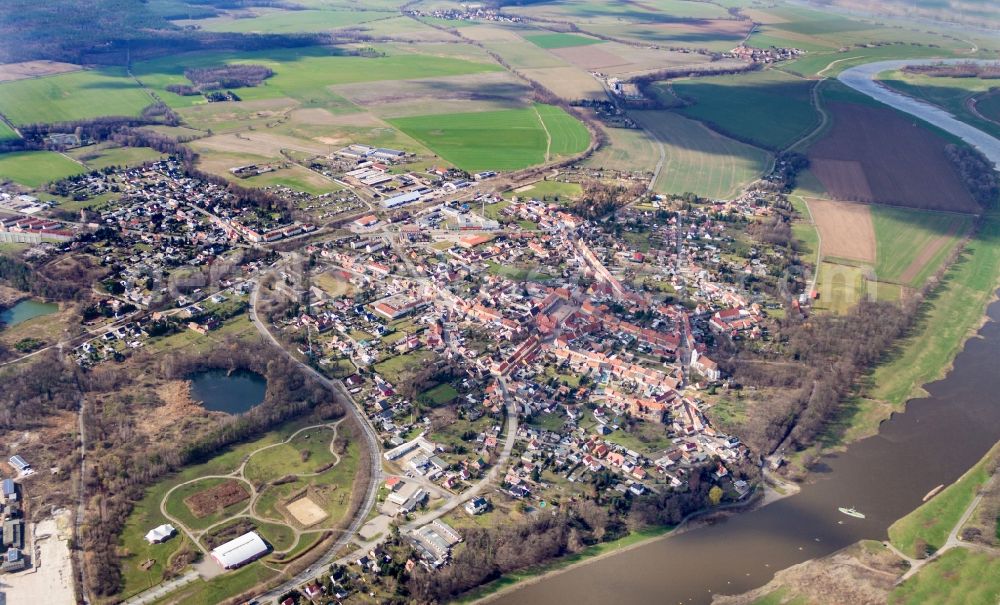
372, 446
863, 79
161, 590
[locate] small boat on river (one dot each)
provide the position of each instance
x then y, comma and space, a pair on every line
850, 512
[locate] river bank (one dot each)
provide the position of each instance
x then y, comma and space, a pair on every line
942, 440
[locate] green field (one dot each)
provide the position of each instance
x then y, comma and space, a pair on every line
841, 286
6, 132
35, 168
288, 458
770, 109
630, 150
298, 21
901, 235
399, 367
98, 157
496, 140
813, 63
556, 40
303, 74
546, 190
699, 160
179, 510
440, 395
951, 94
951, 316
72, 96
568, 134
959, 576
989, 105
934, 520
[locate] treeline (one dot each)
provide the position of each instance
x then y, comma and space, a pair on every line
94, 129
228, 76
32, 393
828, 354
600, 199
977, 173
489, 553
70, 282
967, 69
129, 459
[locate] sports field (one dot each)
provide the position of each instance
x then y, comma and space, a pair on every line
556, 40
699, 160
72, 96
496, 140
770, 108
35, 168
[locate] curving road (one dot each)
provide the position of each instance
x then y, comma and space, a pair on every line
372, 446
863, 79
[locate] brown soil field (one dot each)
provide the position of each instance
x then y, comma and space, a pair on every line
902, 163
591, 57
842, 175
926, 254
306, 512
568, 82
491, 33
322, 117
216, 498
846, 229
34, 69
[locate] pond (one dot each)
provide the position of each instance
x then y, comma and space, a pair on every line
230, 392
25, 310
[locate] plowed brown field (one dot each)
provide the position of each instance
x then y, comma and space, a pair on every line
873, 154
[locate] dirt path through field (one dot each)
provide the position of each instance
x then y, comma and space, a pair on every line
926, 254
845, 229
548, 136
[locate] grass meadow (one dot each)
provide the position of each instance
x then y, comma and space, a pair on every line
72, 96
299, 21
770, 109
557, 40
904, 237
699, 160
959, 576
496, 140
35, 168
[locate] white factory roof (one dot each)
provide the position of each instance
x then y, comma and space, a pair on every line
236, 552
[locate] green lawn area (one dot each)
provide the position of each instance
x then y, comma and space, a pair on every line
544, 189
97, 157
517, 273
442, 394
179, 510
334, 485
296, 21
699, 160
290, 459
548, 422
934, 520
303, 74
952, 314
901, 236
35, 168
220, 588
841, 286
496, 140
72, 96
770, 108
558, 40
294, 177
569, 135
6, 132
396, 369
958, 576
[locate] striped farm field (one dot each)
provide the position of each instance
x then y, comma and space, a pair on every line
699, 160
559, 40
495, 140
35, 168
569, 135
72, 96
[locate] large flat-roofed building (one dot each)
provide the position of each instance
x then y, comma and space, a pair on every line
240, 551
401, 199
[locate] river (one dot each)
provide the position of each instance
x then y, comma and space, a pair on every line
885, 476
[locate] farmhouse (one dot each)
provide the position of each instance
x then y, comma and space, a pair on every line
240, 551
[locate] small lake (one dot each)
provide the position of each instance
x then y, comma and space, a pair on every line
222, 391
25, 310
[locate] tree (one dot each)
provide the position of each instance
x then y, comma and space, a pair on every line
715, 495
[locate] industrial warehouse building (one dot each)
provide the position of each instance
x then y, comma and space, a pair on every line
240, 551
